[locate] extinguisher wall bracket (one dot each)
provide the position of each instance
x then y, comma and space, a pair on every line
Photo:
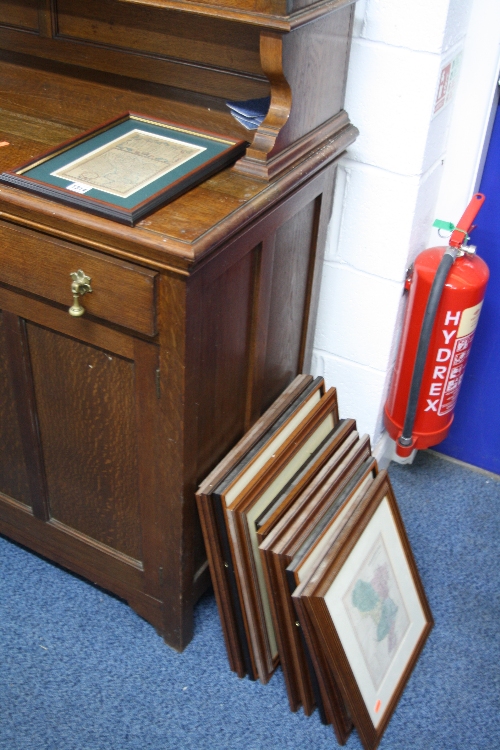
409, 277
467, 250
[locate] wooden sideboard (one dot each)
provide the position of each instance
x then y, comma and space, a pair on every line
199, 316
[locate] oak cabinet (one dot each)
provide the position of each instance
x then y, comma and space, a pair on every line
198, 317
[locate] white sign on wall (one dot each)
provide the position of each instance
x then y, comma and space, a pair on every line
447, 83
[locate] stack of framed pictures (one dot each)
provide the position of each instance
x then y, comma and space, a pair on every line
311, 564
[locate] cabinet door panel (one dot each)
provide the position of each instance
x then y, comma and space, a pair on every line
294, 253
20, 13
13, 474
86, 409
224, 358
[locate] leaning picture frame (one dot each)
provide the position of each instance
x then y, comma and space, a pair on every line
293, 657
227, 489
127, 167
229, 610
254, 491
368, 608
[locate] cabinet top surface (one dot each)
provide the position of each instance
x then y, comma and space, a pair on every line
176, 228
280, 15
178, 234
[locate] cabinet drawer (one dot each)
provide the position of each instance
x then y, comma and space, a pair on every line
122, 292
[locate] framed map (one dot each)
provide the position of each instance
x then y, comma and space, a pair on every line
126, 168
377, 612
370, 610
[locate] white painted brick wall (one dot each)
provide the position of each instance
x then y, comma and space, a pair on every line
358, 388
390, 96
380, 205
357, 332
387, 187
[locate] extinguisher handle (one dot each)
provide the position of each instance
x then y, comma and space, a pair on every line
462, 229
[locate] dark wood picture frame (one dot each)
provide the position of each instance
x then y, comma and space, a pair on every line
309, 549
277, 552
221, 152
242, 532
229, 609
378, 507
242, 488
293, 660
270, 429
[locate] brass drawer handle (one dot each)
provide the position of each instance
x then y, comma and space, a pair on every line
79, 286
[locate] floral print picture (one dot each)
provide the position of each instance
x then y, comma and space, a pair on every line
376, 611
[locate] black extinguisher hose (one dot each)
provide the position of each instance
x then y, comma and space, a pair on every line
442, 272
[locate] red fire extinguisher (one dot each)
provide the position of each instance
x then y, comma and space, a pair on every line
446, 291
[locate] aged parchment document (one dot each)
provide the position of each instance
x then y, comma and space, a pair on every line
129, 163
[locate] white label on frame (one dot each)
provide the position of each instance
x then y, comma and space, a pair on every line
78, 187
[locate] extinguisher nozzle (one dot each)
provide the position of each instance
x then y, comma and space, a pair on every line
405, 441
405, 446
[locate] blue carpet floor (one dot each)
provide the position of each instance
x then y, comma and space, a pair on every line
80, 671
